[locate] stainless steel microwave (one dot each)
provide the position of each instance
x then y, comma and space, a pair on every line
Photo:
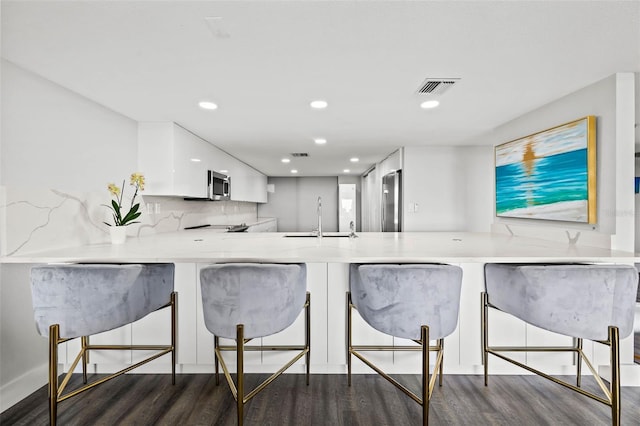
219, 186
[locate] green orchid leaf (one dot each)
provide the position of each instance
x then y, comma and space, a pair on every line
133, 213
130, 217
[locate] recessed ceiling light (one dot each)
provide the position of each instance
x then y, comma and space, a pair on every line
207, 105
320, 141
346, 171
195, 160
429, 104
319, 104
285, 160
294, 171
354, 159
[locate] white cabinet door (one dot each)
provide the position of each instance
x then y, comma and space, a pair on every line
175, 163
204, 339
191, 157
247, 184
295, 334
155, 328
155, 157
173, 160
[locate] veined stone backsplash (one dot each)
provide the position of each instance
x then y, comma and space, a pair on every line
40, 219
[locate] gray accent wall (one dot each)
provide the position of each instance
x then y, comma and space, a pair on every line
294, 203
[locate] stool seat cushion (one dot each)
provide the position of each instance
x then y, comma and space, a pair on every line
399, 299
88, 299
265, 298
576, 300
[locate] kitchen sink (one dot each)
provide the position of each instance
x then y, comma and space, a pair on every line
314, 235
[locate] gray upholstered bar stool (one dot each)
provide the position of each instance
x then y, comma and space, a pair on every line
243, 301
594, 302
81, 300
411, 301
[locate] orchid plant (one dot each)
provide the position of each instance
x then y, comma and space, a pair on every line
136, 180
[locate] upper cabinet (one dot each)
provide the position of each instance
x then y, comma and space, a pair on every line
175, 163
247, 184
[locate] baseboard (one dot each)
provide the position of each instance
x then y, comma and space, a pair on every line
18, 389
629, 374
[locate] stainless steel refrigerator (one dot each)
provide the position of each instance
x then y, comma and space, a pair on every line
392, 202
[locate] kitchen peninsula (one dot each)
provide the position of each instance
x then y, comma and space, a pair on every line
328, 259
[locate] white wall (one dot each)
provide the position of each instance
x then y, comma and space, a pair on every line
637, 209
59, 151
52, 138
434, 181
637, 165
454, 186
478, 188
370, 214
451, 187
614, 122
57, 139
357, 181
294, 202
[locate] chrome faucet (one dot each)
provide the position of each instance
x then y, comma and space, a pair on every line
352, 230
319, 217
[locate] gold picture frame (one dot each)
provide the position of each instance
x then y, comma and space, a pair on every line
549, 175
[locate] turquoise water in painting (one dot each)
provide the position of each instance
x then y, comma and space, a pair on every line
561, 177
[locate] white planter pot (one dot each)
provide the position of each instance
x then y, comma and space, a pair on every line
118, 234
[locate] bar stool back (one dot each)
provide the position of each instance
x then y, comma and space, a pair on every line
594, 302
71, 301
243, 301
412, 301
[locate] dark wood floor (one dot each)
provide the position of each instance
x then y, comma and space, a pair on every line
196, 400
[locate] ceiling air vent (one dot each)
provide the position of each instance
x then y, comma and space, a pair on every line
437, 86
299, 154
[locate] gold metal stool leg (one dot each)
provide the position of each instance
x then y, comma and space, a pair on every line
84, 341
216, 345
614, 340
174, 308
485, 338
54, 336
349, 343
579, 366
240, 373
307, 320
424, 332
441, 346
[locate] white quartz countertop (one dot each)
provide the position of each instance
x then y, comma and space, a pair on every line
206, 246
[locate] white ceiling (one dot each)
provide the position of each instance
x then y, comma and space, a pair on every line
263, 62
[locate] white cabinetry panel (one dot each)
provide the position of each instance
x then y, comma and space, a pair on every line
328, 284
175, 163
165, 154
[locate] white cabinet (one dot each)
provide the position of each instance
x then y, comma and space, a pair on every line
175, 163
247, 184
328, 284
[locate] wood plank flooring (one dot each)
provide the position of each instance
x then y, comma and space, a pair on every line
195, 400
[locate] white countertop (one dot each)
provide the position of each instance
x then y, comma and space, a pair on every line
207, 246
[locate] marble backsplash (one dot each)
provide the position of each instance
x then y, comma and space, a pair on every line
39, 219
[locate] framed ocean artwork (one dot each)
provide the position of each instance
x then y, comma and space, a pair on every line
549, 175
